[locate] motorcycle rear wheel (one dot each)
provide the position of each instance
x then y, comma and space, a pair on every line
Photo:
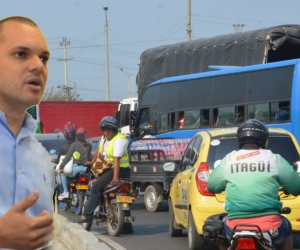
115, 219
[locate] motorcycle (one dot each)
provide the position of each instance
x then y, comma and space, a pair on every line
114, 201
77, 186
253, 238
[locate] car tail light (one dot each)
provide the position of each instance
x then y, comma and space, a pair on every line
82, 179
202, 179
245, 244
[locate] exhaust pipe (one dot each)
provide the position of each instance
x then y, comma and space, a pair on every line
129, 219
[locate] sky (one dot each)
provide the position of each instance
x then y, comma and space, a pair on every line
133, 27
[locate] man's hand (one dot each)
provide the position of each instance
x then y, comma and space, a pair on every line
88, 163
61, 171
53, 160
20, 231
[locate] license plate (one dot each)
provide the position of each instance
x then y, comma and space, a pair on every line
126, 199
81, 187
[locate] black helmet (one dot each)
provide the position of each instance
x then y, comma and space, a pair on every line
146, 129
253, 131
213, 229
109, 122
69, 131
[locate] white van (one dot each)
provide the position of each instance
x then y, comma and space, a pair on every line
123, 113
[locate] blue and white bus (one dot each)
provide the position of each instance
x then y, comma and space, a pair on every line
180, 106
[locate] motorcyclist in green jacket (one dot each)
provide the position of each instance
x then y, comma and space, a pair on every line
252, 177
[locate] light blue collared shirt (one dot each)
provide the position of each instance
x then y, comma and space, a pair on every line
25, 165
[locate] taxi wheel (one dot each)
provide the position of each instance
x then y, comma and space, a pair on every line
174, 232
195, 240
151, 198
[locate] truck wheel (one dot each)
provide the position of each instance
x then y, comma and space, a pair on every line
195, 240
174, 232
151, 198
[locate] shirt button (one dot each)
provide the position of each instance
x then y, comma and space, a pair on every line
19, 171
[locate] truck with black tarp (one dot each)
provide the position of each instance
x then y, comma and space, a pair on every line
265, 45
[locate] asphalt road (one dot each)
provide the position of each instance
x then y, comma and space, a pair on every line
151, 230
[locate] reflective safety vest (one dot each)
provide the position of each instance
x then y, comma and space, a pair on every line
109, 154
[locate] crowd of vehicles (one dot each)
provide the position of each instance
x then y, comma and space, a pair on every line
189, 111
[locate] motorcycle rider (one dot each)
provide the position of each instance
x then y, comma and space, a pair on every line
69, 132
252, 177
84, 149
113, 146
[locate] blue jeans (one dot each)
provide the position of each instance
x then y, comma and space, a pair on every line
76, 169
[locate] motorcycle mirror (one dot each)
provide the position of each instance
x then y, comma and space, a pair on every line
169, 166
52, 151
296, 166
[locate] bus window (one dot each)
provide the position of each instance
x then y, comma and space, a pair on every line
192, 118
239, 115
282, 111
124, 117
144, 116
259, 111
204, 119
162, 125
224, 116
181, 119
171, 123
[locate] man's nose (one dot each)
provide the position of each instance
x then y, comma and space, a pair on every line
36, 64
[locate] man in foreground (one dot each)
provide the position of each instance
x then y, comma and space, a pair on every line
27, 179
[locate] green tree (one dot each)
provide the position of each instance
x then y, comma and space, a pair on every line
60, 94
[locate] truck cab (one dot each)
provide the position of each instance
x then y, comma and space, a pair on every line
123, 114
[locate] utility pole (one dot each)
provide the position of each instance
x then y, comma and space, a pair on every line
238, 27
107, 63
189, 31
75, 93
65, 59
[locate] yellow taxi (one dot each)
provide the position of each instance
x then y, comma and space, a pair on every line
190, 202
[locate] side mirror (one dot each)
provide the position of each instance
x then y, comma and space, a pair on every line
133, 119
296, 166
169, 166
52, 151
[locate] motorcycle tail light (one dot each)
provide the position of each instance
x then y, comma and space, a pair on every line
124, 188
82, 179
112, 195
202, 179
245, 244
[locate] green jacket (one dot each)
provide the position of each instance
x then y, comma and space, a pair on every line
252, 179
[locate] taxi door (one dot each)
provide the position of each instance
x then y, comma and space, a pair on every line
183, 181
